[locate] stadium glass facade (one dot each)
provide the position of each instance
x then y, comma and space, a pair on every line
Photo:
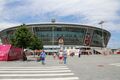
72, 34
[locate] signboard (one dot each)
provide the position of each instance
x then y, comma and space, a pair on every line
87, 40
61, 40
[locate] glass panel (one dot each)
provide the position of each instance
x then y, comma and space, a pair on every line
97, 38
72, 36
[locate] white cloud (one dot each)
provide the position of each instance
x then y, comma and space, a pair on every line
2, 2
112, 27
5, 25
92, 10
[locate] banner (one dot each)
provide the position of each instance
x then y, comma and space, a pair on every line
4, 50
8, 53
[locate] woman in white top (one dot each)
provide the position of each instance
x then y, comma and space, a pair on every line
61, 57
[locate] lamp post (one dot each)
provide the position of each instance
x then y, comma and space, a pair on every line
53, 35
101, 24
53, 21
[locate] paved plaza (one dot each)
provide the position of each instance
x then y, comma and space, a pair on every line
88, 67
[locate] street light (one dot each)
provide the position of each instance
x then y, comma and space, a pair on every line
53, 21
101, 23
53, 35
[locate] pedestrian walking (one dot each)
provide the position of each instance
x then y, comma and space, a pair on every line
24, 57
79, 53
42, 57
64, 56
54, 56
61, 57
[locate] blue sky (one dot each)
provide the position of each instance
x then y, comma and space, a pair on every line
87, 12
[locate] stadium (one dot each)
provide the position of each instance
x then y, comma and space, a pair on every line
69, 36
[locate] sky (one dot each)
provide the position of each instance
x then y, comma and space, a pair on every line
87, 12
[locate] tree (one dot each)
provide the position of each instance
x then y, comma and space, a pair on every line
23, 38
36, 43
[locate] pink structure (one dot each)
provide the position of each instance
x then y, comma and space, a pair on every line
10, 53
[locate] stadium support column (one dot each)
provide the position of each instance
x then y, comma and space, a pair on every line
33, 31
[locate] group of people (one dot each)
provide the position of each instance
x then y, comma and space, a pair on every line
62, 57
